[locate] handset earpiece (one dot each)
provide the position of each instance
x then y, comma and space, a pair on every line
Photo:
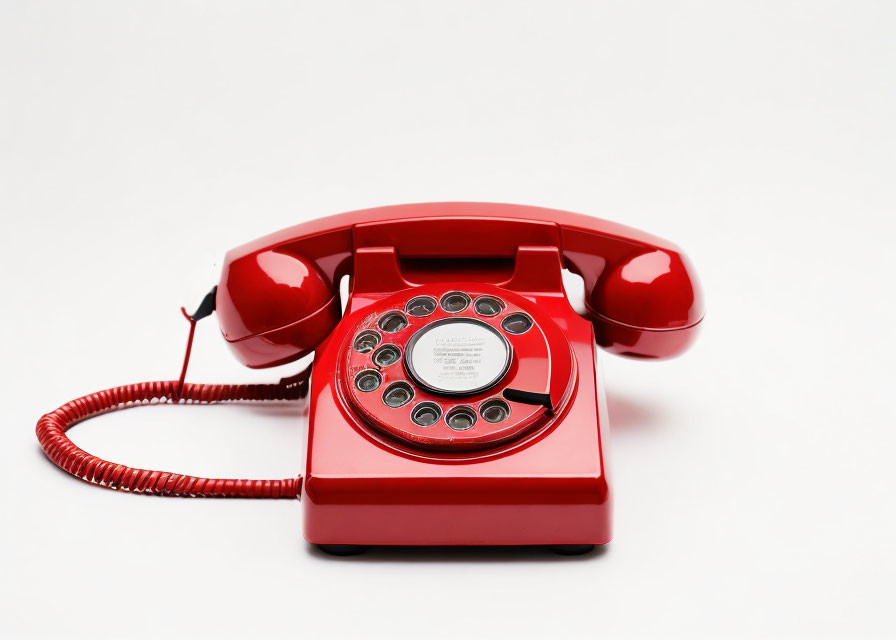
274, 306
647, 304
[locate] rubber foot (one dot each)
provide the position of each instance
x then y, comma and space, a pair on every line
571, 549
342, 549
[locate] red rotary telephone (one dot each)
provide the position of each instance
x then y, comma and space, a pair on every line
456, 401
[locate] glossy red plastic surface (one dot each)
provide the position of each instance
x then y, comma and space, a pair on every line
274, 307
546, 485
641, 291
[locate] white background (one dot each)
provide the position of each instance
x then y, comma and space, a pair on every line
753, 476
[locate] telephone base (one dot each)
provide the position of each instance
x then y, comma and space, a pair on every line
547, 487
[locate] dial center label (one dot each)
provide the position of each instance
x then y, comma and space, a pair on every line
458, 356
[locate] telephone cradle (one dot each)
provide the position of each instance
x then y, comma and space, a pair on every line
454, 397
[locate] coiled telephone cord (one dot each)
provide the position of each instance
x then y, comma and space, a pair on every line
51, 432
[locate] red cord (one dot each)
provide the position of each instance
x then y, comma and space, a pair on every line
52, 427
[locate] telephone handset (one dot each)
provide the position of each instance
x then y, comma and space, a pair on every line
456, 400
277, 299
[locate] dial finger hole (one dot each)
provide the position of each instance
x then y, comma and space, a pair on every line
460, 418
426, 414
366, 341
455, 301
421, 306
488, 306
517, 323
494, 411
386, 355
393, 322
368, 380
398, 394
